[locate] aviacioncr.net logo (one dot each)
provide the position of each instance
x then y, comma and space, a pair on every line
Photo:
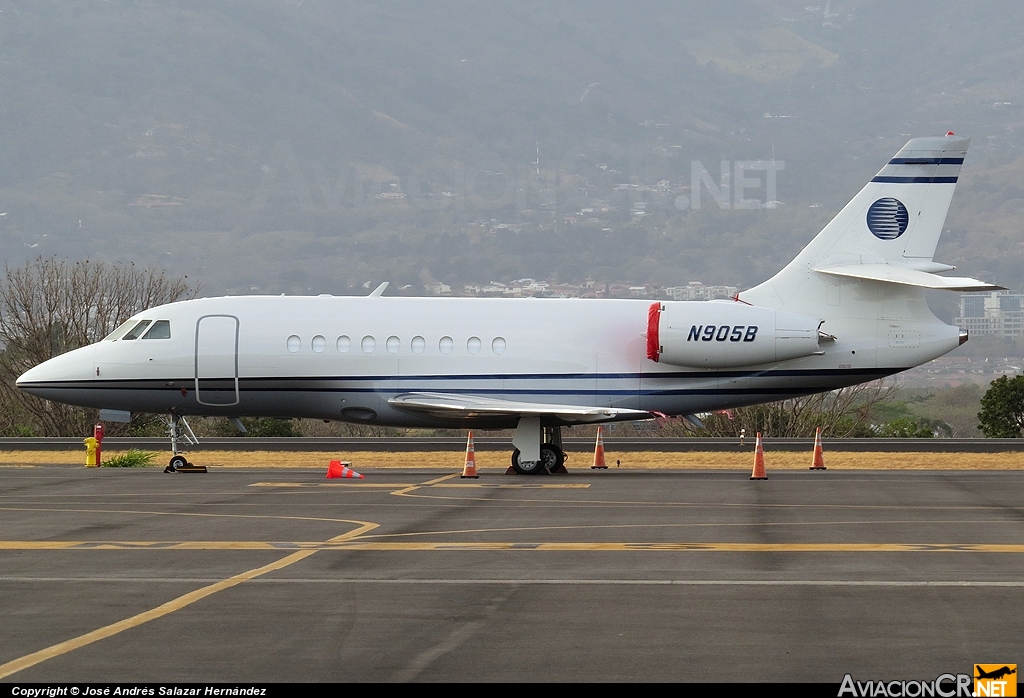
943, 686
995, 680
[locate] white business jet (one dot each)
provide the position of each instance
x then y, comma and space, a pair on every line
850, 308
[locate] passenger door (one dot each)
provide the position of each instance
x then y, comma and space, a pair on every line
217, 360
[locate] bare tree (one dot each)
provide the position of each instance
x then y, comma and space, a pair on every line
51, 306
839, 413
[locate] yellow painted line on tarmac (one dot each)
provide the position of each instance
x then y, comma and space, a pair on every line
40, 544
436, 480
404, 492
163, 545
349, 541
691, 547
368, 485
577, 486
364, 527
442, 482
135, 512
222, 545
177, 604
439, 482
137, 620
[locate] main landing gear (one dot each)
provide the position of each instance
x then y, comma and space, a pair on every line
547, 458
178, 429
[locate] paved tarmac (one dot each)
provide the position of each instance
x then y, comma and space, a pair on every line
271, 575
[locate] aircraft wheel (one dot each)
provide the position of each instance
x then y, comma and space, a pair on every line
528, 467
176, 462
552, 457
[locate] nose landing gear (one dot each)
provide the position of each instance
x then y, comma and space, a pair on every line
178, 428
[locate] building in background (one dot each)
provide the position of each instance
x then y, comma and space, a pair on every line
993, 314
696, 291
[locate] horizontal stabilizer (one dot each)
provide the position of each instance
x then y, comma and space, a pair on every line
894, 274
455, 405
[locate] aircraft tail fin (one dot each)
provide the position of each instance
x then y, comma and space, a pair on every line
886, 234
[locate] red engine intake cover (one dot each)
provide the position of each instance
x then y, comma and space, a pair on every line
653, 343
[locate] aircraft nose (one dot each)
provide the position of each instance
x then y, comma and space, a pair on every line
40, 380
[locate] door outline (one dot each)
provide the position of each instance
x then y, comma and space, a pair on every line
199, 394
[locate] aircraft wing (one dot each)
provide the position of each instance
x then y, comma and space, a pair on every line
456, 405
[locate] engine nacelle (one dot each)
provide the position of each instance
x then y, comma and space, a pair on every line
724, 334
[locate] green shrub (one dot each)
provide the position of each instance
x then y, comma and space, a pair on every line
904, 428
134, 458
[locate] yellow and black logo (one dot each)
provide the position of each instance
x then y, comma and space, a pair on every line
995, 680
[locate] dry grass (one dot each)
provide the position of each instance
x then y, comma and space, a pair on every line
493, 460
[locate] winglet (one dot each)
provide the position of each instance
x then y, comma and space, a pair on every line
379, 291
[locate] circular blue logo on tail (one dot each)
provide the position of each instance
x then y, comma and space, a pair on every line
888, 218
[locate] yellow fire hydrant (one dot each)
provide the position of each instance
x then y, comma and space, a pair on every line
91, 446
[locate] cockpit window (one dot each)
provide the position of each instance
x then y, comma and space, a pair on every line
137, 330
120, 330
161, 329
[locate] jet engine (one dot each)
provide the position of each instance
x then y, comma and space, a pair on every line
724, 334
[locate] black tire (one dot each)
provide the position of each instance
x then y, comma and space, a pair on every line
176, 462
527, 467
552, 457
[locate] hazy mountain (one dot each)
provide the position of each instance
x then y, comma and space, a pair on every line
313, 146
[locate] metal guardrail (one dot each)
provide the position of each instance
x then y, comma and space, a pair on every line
412, 444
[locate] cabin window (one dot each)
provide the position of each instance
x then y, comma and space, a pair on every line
294, 343
319, 343
137, 330
418, 344
344, 343
498, 345
446, 345
368, 344
393, 344
473, 345
161, 329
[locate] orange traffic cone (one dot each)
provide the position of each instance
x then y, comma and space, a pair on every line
758, 473
340, 469
819, 460
599, 463
470, 468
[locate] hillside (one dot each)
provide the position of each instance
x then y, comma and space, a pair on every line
308, 146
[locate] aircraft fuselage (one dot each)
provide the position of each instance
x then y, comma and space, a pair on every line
329, 357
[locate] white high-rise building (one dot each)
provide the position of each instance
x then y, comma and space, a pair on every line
994, 314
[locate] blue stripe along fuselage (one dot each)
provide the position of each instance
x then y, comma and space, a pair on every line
891, 179
144, 383
674, 392
926, 161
